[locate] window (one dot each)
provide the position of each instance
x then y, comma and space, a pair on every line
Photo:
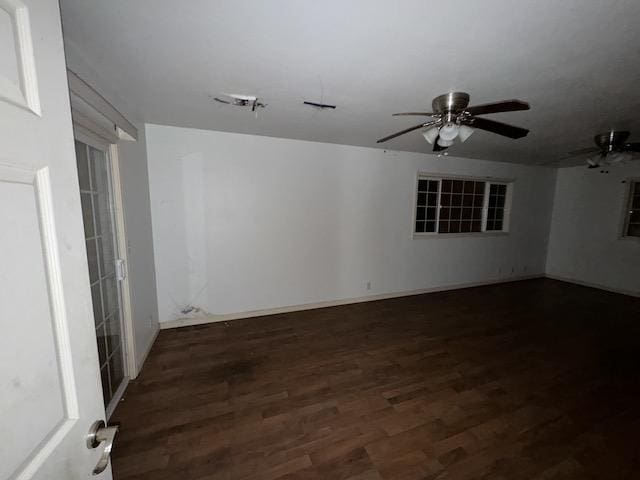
451, 205
495, 213
632, 224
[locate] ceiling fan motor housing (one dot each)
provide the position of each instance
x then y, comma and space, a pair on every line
612, 140
454, 102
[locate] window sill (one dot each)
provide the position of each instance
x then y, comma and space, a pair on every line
431, 236
629, 238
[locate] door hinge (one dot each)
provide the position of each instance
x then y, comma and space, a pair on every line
120, 270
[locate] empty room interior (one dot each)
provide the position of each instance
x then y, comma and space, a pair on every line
293, 239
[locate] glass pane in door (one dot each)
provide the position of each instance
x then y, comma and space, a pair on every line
97, 214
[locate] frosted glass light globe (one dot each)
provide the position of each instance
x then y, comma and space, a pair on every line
464, 132
449, 131
445, 143
431, 134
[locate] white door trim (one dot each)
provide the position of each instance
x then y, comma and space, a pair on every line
77, 86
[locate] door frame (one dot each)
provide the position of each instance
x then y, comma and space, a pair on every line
129, 358
122, 245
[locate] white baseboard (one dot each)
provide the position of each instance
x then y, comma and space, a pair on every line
140, 361
593, 285
212, 318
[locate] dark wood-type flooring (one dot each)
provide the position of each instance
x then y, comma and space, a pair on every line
527, 380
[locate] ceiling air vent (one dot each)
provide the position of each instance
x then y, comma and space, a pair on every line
237, 100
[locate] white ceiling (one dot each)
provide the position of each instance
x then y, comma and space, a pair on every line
576, 61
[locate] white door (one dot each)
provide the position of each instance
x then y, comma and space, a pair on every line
50, 392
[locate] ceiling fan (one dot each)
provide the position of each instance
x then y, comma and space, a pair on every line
454, 118
611, 147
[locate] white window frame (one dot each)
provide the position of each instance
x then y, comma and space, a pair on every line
626, 212
485, 205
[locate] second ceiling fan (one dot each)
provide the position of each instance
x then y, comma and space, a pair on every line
611, 147
453, 118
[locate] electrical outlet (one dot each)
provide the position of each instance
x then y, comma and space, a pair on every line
368, 285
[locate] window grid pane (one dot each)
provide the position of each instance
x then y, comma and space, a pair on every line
461, 206
427, 206
94, 183
633, 213
495, 209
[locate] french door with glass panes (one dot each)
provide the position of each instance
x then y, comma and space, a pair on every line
105, 268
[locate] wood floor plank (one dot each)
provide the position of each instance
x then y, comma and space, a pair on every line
532, 380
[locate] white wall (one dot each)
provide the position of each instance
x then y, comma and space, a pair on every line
244, 223
585, 244
141, 266
137, 211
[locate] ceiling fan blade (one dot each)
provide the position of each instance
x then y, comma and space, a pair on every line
419, 114
583, 151
496, 107
632, 147
402, 132
500, 128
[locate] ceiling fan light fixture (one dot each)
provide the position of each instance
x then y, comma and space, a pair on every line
464, 132
618, 157
449, 131
444, 143
431, 134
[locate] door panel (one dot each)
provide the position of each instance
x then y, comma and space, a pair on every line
30, 277
49, 375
